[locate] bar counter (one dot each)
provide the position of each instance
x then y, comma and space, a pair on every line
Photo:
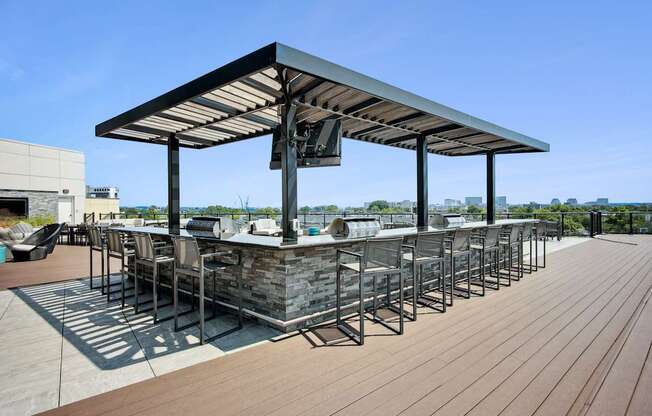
288, 285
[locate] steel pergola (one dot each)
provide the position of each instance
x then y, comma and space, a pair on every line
277, 89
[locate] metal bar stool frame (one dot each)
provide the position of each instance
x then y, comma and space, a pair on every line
385, 269
526, 235
147, 254
96, 243
510, 239
540, 233
429, 251
117, 248
189, 262
459, 246
489, 239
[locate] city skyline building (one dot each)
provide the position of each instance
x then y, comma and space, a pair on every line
473, 200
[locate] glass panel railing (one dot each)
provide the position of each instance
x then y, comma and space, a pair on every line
642, 223
615, 223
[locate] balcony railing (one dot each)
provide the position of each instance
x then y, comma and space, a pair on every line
574, 223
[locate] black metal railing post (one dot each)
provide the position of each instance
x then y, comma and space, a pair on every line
562, 223
591, 221
631, 223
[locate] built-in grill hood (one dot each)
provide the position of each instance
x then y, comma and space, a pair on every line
211, 227
354, 227
447, 220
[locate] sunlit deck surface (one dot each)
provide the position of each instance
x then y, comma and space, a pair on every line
65, 263
573, 338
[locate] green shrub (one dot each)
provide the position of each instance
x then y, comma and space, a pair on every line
35, 221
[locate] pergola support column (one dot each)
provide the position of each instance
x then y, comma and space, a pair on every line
491, 187
289, 170
422, 181
174, 206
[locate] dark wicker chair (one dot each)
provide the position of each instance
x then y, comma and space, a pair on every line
38, 245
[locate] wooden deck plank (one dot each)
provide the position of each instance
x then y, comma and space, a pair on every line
568, 323
611, 318
538, 335
65, 263
483, 351
552, 328
626, 369
539, 351
641, 402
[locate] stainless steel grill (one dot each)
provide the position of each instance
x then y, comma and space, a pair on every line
447, 220
210, 226
354, 227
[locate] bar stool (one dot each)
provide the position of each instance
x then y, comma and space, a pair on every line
189, 262
96, 243
147, 254
526, 236
459, 246
118, 248
380, 257
510, 240
486, 242
428, 251
540, 234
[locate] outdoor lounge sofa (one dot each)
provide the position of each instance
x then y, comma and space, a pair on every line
10, 236
38, 245
265, 226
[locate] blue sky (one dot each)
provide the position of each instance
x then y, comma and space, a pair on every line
575, 74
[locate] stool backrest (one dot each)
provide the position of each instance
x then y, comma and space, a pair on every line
527, 231
384, 252
492, 236
95, 237
144, 246
430, 244
462, 239
541, 229
186, 253
514, 231
114, 241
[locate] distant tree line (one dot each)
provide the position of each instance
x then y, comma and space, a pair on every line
574, 222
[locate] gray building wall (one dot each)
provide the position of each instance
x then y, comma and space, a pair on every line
29, 167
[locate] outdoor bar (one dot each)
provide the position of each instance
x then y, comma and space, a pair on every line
307, 104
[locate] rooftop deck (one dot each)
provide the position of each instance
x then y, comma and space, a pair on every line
573, 338
65, 263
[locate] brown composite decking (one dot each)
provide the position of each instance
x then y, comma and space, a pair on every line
573, 338
65, 263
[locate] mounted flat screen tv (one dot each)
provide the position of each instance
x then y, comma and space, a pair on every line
317, 146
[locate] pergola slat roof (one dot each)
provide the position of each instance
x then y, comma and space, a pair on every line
241, 100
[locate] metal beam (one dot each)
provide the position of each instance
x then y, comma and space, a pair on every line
491, 187
174, 206
429, 132
422, 181
288, 170
500, 150
393, 123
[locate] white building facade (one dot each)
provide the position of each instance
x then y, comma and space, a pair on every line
37, 180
